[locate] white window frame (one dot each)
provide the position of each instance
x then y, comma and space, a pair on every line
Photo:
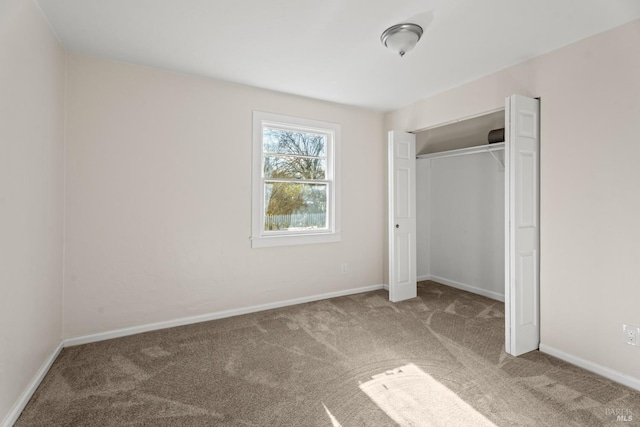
261, 238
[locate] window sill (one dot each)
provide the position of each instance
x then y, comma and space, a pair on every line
302, 239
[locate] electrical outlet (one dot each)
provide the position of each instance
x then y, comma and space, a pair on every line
344, 268
630, 334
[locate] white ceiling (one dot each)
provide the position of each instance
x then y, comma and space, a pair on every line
330, 49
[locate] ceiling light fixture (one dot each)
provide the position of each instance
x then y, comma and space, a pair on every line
401, 38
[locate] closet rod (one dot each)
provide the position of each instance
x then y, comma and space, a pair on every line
488, 148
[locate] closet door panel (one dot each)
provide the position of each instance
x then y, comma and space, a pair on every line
402, 216
522, 229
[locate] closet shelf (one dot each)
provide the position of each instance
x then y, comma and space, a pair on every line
488, 148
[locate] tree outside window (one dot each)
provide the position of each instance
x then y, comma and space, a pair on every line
295, 189
294, 168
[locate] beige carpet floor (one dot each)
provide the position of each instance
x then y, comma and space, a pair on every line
352, 361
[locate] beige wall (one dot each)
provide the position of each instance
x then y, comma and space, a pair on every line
159, 199
590, 185
32, 67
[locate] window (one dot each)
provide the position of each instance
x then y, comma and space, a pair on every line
295, 187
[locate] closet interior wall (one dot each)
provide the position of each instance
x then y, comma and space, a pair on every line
460, 208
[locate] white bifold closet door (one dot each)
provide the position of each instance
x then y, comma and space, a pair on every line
522, 227
402, 216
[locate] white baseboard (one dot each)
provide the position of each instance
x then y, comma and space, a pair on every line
469, 288
101, 336
609, 373
19, 406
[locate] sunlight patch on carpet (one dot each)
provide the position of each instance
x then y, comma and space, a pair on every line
411, 397
334, 421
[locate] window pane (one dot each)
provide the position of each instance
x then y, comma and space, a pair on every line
293, 206
294, 167
291, 142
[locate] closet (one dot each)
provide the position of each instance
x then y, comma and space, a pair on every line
465, 213
460, 206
